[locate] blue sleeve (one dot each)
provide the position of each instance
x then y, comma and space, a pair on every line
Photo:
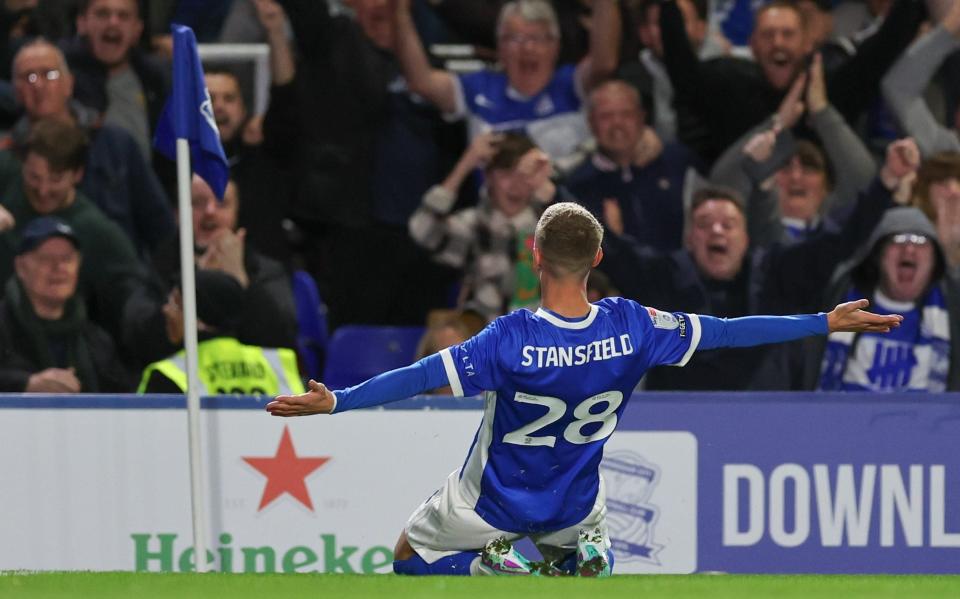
669, 338
758, 330
472, 367
428, 373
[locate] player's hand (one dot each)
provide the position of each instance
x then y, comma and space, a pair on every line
318, 400
850, 317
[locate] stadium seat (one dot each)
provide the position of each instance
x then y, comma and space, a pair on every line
358, 352
311, 324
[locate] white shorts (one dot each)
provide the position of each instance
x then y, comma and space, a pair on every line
445, 524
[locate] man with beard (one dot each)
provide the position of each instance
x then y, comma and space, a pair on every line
112, 74
634, 168
719, 100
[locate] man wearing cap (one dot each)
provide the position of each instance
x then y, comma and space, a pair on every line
46, 185
226, 366
901, 267
47, 344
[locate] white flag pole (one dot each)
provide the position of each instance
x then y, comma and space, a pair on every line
188, 292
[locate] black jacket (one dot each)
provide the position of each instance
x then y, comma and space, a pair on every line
26, 347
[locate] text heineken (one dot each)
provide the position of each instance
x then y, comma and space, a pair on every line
159, 553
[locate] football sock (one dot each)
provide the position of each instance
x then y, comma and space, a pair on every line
457, 564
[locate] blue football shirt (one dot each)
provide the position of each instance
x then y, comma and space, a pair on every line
552, 118
554, 391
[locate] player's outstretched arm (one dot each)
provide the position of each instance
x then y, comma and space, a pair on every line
423, 375
748, 331
318, 400
850, 317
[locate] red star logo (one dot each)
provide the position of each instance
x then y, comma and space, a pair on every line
286, 473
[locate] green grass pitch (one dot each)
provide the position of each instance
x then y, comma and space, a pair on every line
128, 585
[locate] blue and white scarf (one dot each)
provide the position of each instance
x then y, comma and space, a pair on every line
913, 357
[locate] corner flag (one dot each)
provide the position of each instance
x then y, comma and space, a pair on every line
188, 115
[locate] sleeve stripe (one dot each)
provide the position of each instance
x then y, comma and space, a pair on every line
694, 341
452, 375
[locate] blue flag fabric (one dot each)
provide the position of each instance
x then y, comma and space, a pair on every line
188, 115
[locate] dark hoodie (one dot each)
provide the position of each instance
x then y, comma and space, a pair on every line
798, 366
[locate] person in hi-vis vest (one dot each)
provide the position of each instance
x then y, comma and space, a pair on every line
226, 366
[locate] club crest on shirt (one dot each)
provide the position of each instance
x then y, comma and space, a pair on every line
663, 320
544, 106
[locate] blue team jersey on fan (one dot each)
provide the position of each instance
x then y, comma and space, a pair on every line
555, 389
551, 117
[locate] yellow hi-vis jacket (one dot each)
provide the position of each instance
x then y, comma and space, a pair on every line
229, 367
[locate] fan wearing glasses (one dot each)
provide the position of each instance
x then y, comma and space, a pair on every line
901, 268
532, 93
115, 175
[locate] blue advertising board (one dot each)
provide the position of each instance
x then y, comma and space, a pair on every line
827, 483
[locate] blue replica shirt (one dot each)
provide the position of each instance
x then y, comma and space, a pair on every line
551, 118
554, 390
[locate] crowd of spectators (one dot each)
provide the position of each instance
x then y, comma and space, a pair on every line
743, 157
